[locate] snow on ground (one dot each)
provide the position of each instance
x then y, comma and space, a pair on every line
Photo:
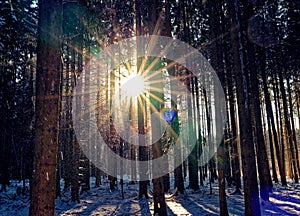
12, 204
101, 201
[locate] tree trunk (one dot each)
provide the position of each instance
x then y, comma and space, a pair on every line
233, 139
252, 206
4, 133
85, 162
73, 142
155, 99
281, 127
158, 184
288, 126
47, 104
270, 116
262, 158
217, 61
292, 123
272, 152
113, 136
143, 185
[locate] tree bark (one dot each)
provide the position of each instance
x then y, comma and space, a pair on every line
262, 158
233, 139
47, 104
270, 116
143, 185
293, 124
252, 206
288, 126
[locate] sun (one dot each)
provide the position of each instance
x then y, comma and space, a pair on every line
133, 85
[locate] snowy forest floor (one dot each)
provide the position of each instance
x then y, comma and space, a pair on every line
101, 201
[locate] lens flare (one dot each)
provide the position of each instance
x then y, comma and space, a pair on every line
133, 86
168, 114
112, 113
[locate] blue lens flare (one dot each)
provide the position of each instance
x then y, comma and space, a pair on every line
168, 114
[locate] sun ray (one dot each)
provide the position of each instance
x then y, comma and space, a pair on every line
157, 58
141, 69
141, 104
156, 98
153, 108
152, 65
172, 78
128, 67
158, 23
159, 90
170, 65
175, 62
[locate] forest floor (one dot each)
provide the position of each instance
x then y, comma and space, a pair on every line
101, 201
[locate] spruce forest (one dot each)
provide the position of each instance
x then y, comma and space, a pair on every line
149, 107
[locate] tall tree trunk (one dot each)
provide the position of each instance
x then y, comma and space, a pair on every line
252, 206
217, 61
174, 124
85, 162
141, 110
113, 139
47, 104
4, 133
192, 158
73, 142
272, 152
158, 184
233, 139
281, 132
67, 144
270, 116
156, 101
221, 180
288, 126
262, 158
292, 123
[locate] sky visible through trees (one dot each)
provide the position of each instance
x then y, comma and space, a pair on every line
149, 107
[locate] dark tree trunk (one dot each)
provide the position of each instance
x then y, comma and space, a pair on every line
47, 103
67, 145
174, 124
98, 175
270, 116
158, 182
113, 139
233, 139
4, 133
252, 206
272, 152
143, 185
262, 158
217, 61
288, 126
192, 161
293, 124
175, 127
192, 158
281, 126
75, 149
85, 162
